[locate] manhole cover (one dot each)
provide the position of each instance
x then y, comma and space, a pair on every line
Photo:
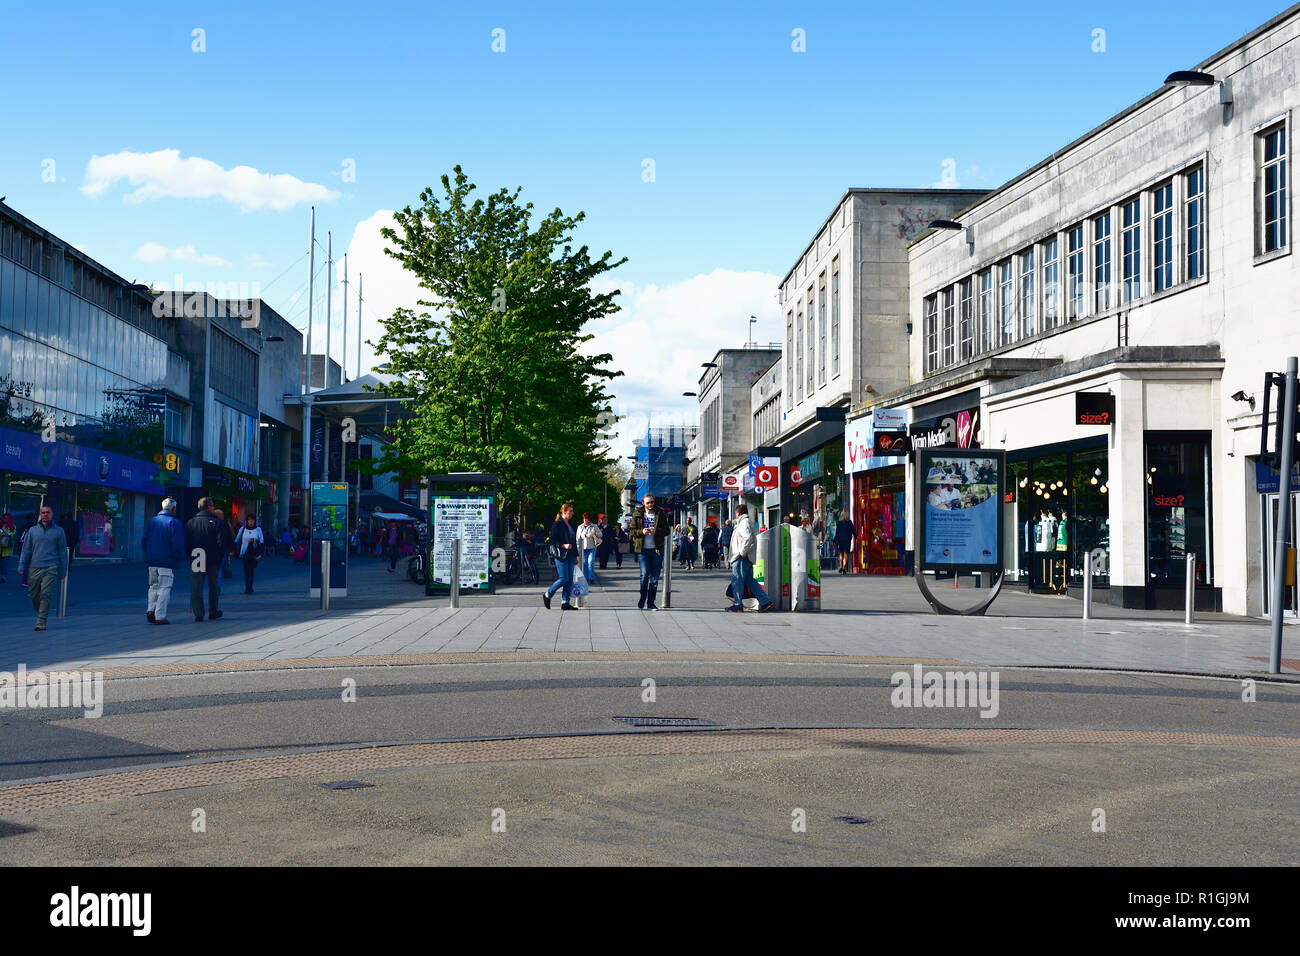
667, 722
853, 820
345, 785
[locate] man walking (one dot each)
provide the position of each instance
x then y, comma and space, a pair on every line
44, 560
649, 536
744, 549
164, 549
207, 533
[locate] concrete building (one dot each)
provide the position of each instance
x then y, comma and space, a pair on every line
1147, 263
726, 427
845, 310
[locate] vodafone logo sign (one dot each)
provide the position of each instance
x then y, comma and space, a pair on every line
796, 476
766, 478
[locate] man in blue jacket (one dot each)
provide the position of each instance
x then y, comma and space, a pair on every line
164, 549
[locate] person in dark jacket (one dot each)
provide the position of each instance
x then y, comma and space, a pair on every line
844, 535
164, 548
650, 536
207, 533
709, 541
565, 540
607, 543
724, 539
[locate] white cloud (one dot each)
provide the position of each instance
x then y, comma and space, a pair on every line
258, 261
165, 175
663, 333
658, 338
154, 252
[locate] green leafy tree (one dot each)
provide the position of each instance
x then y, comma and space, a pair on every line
493, 374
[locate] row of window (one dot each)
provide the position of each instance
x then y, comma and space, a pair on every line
1084, 270
767, 422
797, 382
46, 258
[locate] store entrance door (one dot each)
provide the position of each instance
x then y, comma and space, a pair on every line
1271, 503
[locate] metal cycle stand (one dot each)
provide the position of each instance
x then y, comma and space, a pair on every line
63, 590
1087, 586
1189, 596
668, 571
455, 573
325, 574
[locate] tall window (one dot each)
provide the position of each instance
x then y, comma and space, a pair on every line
1195, 219
1006, 303
821, 330
1131, 243
812, 331
1273, 179
931, 334
789, 360
798, 374
1101, 260
1074, 280
949, 355
835, 318
965, 336
1162, 237
985, 336
1027, 300
1051, 282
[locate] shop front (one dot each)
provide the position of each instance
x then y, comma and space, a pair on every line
878, 493
817, 493
102, 499
238, 494
1057, 511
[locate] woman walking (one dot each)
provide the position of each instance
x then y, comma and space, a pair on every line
563, 546
589, 539
8, 537
252, 545
844, 542
689, 546
709, 540
392, 545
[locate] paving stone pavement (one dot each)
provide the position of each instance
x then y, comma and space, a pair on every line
388, 615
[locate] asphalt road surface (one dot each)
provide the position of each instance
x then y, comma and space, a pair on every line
524, 762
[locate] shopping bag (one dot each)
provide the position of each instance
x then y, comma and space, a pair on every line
580, 586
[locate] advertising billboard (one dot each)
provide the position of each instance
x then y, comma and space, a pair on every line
468, 518
959, 493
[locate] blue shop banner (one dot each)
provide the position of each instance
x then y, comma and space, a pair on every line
25, 452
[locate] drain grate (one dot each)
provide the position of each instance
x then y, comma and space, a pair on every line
853, 820
667, 722
345, 785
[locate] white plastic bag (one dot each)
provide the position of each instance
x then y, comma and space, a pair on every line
580, 586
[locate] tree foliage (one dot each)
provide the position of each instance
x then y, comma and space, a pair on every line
493, 374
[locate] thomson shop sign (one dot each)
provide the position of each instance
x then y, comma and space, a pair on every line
960, 430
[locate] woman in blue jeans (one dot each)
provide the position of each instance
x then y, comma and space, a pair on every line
563, 543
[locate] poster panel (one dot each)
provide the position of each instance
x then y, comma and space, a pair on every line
329, 522
469, 518
960, 496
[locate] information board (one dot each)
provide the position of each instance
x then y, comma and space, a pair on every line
959, 503
329, 522
469, 518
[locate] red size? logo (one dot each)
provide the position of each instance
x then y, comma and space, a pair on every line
1169, 501
1101, 418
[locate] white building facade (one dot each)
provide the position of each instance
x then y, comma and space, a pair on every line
1148, 264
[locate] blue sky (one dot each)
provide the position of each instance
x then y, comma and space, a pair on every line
752, 142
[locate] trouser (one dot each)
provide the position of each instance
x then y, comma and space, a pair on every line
40, 588
392, 557
589, 564
618, 557
160, 590
563, 579
743, 583
4, 565
212, 578
225, 567
604, 560
651, 562
250, 565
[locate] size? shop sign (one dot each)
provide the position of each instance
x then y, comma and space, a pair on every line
1094, 408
